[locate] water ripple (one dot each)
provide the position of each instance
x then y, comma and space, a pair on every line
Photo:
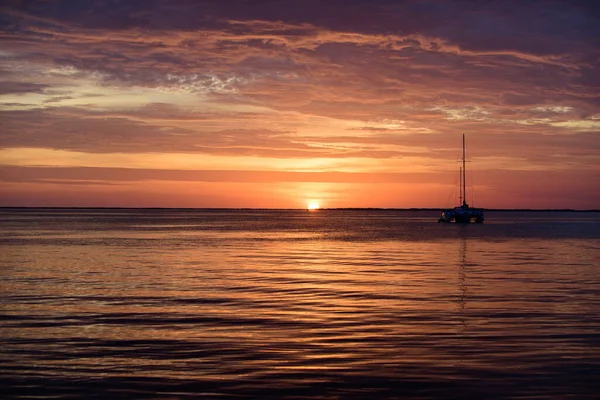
287, 304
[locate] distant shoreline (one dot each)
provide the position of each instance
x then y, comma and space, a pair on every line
294, 209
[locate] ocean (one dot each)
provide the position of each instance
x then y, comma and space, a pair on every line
332, 304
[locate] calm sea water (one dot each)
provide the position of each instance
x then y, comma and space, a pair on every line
169, 304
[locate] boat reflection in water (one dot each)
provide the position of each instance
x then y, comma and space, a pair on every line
462, 283
462, 214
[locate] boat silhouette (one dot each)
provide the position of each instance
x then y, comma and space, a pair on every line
462, 214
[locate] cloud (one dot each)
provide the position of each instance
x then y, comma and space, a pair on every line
93, 175
362, 85
9, 87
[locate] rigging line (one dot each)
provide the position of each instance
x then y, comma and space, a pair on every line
456, 181
452, 195
472, 187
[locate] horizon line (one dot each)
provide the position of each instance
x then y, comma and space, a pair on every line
294, 209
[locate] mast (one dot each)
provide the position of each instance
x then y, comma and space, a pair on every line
464, 184
460, 185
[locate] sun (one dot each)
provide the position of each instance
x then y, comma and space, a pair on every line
313, 205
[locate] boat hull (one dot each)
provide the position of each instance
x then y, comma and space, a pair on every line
462, 215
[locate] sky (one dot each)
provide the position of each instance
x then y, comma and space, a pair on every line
278, 103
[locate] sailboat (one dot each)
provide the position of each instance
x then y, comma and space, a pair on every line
462, 214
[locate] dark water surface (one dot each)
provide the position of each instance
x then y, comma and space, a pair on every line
169, 304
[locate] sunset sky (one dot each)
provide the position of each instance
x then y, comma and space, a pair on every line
277, 103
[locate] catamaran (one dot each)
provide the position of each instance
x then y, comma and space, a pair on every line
462, 214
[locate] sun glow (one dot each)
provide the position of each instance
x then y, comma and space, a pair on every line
313, 205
